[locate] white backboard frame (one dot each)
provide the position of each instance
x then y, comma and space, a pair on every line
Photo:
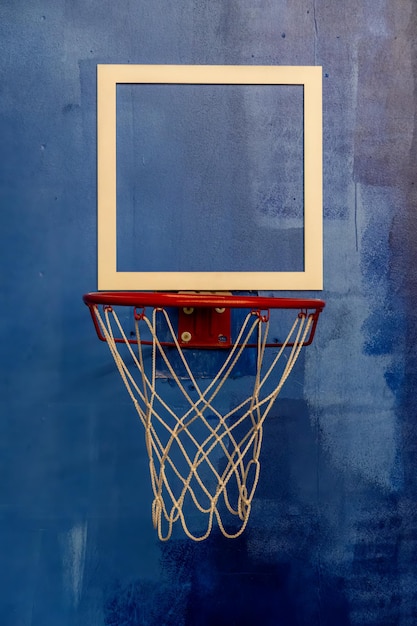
108, 77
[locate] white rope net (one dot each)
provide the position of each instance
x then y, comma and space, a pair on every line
200, 459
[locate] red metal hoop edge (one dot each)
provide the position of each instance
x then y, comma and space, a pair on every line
170, 299
258, 304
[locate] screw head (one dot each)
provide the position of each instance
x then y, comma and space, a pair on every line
186, 336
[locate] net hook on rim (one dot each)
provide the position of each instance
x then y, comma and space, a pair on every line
263, 316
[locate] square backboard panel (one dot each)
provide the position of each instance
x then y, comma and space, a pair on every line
209, 177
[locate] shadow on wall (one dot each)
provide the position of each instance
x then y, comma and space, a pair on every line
308, 556
217, 584
274, 574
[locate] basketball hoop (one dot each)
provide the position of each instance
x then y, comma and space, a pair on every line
202, 457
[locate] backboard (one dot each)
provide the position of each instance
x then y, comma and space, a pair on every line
209, 177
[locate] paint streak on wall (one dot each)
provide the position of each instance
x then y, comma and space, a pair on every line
74, 553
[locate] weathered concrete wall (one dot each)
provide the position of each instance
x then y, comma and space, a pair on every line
333, 532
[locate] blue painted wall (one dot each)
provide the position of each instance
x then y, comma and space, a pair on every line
333, 533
